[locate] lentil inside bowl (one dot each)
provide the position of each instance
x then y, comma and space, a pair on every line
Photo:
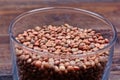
60, 40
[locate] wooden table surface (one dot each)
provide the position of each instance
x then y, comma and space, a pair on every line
9, 9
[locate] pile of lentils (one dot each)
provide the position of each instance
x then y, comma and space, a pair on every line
47, 44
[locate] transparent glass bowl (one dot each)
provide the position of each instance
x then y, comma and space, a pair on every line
22, 70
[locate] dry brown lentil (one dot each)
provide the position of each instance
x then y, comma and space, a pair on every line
61, 41
38, 63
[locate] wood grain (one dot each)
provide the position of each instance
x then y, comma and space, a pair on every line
10, 9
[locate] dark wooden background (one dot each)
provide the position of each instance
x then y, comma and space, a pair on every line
9, 9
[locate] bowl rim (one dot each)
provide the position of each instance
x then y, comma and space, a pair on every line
111, 43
